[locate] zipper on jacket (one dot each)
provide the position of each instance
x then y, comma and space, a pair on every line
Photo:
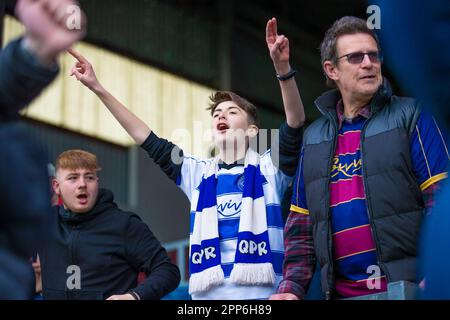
368, 206
67, 291
72, 245
330, 240
74, 232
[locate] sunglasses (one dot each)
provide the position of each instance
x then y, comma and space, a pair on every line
358, 57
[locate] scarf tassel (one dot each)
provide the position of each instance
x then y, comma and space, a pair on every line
253, 274
208, 278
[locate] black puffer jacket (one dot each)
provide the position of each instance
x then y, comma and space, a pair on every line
395, 205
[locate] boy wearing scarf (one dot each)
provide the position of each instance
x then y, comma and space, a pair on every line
236, 232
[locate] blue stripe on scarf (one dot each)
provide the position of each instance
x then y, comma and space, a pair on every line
207, 196
253, 189
255, 248
199, 259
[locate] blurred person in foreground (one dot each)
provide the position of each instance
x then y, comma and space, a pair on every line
417, 44
27, 66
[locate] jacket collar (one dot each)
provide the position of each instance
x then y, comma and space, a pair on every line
105, 201
364, 112
327, 102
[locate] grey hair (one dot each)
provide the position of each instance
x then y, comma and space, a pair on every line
343, 26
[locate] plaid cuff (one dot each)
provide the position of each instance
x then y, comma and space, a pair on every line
299, 259
287, 286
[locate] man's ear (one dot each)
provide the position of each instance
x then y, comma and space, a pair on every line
252, 131
55, 186
331, 70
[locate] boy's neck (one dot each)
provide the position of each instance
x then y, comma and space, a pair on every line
230, 156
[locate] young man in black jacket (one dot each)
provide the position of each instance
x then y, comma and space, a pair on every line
94, 250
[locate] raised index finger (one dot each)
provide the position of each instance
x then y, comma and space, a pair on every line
271, 29
77, 56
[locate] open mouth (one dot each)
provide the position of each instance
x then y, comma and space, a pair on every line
82, 197
222, 127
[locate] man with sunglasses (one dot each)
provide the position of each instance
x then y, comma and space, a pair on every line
367, 173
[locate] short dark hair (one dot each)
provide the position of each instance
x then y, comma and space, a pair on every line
343, 26
222, 96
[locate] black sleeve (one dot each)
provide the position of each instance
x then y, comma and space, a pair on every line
146, 254
288, 151
21, 79
166, 155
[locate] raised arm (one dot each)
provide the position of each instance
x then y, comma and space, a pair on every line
278, 46
84, 72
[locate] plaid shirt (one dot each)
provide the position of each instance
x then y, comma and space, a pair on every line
363, 112
299, 257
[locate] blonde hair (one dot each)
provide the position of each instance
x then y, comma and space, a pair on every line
76, 159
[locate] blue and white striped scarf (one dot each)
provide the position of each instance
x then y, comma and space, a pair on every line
253, 259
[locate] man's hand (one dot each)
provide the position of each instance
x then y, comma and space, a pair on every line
52, 26
84, 72
278, 47
126, 296
284, 296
